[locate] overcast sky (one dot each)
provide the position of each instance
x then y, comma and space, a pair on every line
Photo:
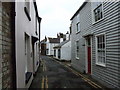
56, 15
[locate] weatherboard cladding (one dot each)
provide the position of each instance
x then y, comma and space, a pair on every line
85, 25
61, 44
109, 26
108, 75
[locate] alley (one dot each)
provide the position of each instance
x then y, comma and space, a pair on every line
54, 74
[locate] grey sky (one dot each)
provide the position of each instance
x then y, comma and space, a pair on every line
56, 15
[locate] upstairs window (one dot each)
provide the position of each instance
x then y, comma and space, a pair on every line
27, 5
27, 9
78, 27
101, 50
78, 23
98, 13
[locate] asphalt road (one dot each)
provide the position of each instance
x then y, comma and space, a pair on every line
54, 74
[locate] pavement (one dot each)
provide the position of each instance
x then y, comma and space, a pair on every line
55, 74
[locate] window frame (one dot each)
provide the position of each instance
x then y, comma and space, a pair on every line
77, 52
93, 15
96, 39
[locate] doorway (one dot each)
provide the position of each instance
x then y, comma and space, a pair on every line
59, 53
88, 52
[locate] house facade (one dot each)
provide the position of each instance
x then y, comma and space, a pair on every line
19, 43
95, 41
27, 41
50, 43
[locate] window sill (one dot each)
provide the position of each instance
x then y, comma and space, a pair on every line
77, 58
102, 65
98, 21
78, 32
27, 14
28, 76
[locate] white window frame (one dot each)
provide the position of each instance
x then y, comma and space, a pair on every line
98, 63
93, 16
77, 53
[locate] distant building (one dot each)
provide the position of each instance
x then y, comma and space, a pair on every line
43, 46
62, 51
50, 43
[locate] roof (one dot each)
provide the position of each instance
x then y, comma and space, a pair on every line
43, 41
79, 9
54, 40
61, 44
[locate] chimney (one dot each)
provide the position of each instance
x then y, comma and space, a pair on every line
67, 35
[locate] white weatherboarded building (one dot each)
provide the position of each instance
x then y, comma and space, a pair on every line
63, 50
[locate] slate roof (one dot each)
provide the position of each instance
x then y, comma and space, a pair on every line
84, 3
61, 44
54, 40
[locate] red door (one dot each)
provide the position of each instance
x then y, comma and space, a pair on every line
89, 60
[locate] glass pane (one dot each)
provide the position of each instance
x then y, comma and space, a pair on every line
104, 60
100, 39
103, 38
101, 46
78, 26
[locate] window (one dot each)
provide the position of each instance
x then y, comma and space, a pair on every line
27, 9
55, 53
78, 23
77, 49
98, 13
100, 50
78, 27
27, 5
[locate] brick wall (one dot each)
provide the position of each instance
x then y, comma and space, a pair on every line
0, 45
6, 46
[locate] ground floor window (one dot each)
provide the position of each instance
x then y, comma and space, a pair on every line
47, 51
100, 50
77, 49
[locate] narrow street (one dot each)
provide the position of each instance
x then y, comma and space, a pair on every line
54, 74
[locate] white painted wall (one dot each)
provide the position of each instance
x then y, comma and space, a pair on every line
36, 56
23, 25
66, 51
61, 40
